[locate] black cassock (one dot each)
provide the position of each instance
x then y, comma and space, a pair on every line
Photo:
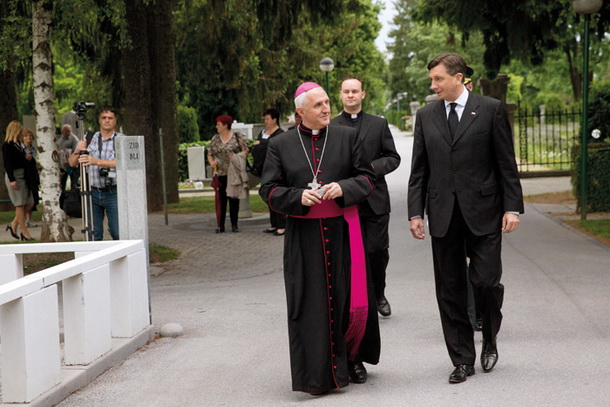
317, 253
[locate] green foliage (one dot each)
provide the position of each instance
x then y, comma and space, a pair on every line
598, 176
188, 129
241, 62
599, 108
415, 44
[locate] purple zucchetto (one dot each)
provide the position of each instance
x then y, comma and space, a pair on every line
305, 87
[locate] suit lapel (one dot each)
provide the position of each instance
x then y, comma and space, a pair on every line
365, 125
440, 121
469, 115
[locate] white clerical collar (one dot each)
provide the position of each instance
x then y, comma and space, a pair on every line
315, 132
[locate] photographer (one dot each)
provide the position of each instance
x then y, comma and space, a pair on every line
100, 158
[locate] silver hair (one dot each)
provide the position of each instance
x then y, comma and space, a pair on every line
299, 101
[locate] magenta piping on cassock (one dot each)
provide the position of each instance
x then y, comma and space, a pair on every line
358, 311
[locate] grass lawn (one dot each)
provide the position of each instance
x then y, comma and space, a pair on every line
40, 261
205, 204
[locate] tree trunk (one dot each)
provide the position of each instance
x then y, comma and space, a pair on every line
138, 100
8, 112
575, 74
161, 46
55, 226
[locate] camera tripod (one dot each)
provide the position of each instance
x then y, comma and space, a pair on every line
85, 184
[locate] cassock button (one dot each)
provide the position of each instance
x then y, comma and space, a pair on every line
328, 252
328, 264
327, 240
334, 367
325, 228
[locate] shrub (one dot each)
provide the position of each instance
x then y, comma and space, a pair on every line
598, 176
599, 108
188, 128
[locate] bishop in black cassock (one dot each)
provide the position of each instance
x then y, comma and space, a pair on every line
317, 254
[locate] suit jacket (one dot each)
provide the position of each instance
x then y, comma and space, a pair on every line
477, 168
380, 151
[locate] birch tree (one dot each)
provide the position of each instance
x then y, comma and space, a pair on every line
55, 226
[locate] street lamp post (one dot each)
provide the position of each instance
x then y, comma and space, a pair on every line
327, 65
585, 7
399, 97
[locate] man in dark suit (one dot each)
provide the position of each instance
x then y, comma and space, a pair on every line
375, 211
464, 174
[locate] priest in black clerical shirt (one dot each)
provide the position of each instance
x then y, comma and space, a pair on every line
380, 151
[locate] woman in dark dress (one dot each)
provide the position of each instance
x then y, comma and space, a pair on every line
259, 152
18, 191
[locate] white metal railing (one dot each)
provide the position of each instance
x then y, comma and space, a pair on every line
104, 294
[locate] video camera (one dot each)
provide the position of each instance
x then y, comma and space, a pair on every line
81, 108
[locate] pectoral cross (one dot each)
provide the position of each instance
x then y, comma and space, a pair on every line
314, 184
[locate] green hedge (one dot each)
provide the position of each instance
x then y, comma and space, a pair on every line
598, 176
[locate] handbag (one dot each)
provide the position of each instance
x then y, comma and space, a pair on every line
70, 202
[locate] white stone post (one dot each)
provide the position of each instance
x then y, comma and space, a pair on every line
86, 301
29, 328
129, 295
12, 267
197, 161
131, 188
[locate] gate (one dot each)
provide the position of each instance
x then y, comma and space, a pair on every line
545, 140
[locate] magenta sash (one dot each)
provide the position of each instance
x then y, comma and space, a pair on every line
358, 311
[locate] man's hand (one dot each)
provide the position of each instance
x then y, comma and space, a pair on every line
510, 222
332, 191
86, 160
81, 146
417, 228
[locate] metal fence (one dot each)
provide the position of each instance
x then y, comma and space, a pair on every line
544, 140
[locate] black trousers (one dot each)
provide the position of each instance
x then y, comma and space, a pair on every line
451, 275
376, 243
277, 220
233, 204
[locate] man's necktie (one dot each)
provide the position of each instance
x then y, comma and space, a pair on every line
452, 120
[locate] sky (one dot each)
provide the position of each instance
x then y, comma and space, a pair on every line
385, 18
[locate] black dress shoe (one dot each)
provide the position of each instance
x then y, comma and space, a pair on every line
357, 372
270, 230
383, 306
220, 230
489, 355
234, 229
460, 373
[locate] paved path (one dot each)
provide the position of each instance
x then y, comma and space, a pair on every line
227, 292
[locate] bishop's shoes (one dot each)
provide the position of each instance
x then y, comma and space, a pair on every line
357, 372
383, 306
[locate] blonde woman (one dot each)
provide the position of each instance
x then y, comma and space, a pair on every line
14, 166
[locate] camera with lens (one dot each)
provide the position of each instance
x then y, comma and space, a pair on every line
81, 108
107, 175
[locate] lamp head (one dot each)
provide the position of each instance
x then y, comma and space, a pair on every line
327, 65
